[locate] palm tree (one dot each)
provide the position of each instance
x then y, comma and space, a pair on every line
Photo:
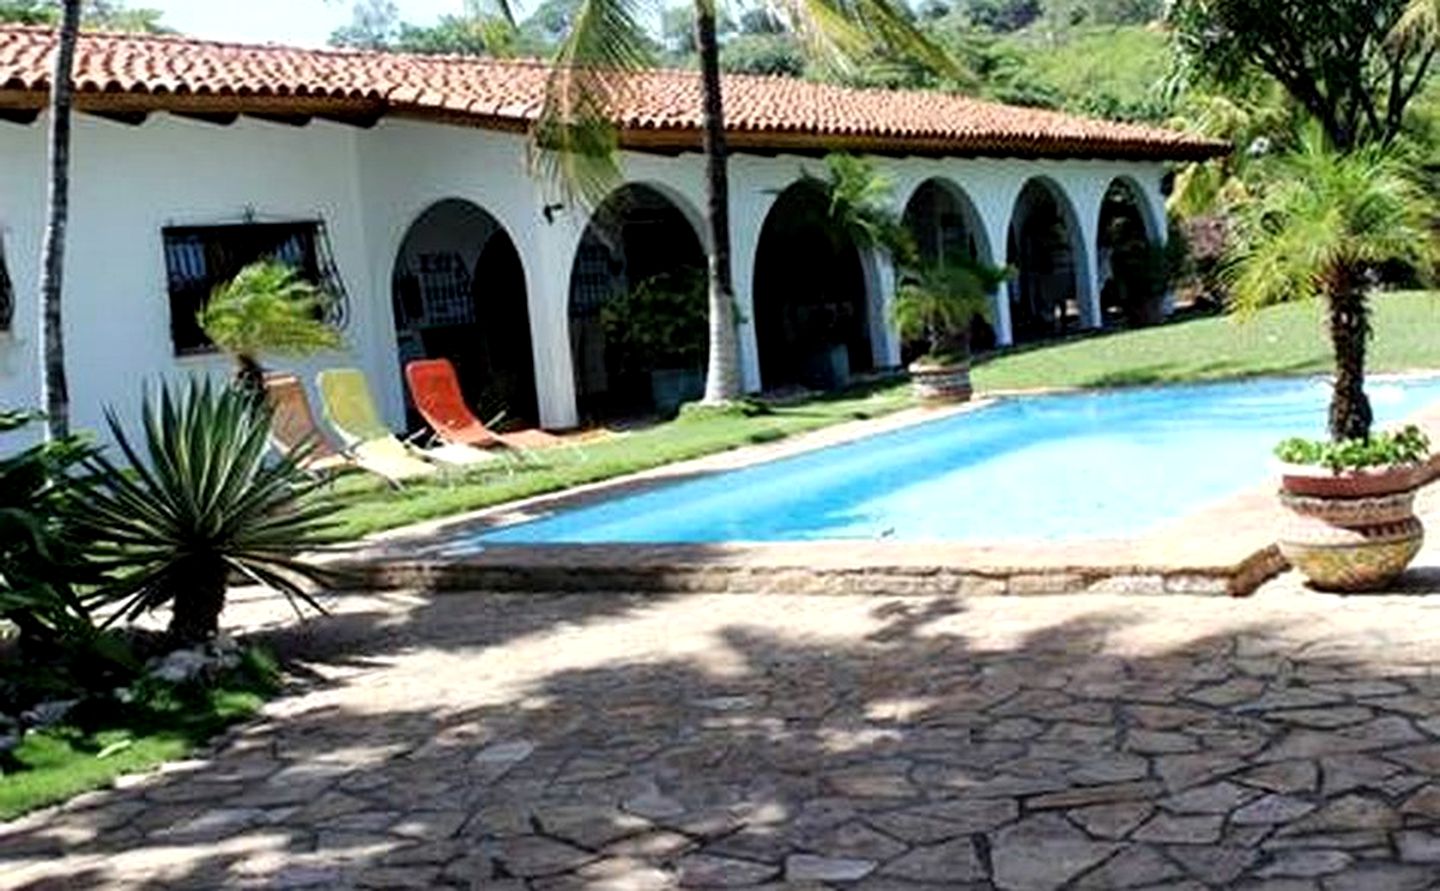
577, 143
267, 309
52, 261
1322, 228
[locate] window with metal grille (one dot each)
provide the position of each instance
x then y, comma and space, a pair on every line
7, 294
198, 259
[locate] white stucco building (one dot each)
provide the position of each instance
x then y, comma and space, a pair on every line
405, 180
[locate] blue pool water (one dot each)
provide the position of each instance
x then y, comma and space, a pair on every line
1050, 467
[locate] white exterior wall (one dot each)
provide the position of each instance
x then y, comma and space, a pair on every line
369, 186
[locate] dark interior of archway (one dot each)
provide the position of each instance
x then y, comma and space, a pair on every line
944, 228
1127, 264
622, 344
1043, 298
809, 299
459, 293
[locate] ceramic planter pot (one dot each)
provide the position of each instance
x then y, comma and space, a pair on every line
937, 384
1354, 531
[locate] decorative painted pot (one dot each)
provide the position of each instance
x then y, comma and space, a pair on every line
1350, 532
941, 384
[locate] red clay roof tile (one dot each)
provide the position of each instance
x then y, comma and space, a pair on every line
659, 107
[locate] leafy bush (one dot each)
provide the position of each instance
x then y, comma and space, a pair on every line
660, 323
199, 505
42, 558
1405, 447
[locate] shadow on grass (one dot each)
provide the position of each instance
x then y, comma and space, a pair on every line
518, 739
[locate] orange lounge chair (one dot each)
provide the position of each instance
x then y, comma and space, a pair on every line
292, 426
436, 391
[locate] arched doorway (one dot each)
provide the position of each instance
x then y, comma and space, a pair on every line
458, 291
638, 308
811, 307
1046, 295
1131, 272
946, 226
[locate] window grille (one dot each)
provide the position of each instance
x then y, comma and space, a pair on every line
198, 259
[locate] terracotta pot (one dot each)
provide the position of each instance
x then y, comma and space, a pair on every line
1318, 482
941, 384
1350, 532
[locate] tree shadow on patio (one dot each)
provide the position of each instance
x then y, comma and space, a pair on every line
563, 742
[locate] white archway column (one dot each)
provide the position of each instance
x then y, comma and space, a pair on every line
553, 257
749, 208
996, 222
1086, 201
880, 284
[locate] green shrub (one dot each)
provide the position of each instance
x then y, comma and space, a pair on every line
1406, 447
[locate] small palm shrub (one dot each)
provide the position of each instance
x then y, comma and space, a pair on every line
1323, 227
937, 303
267, 309
198, 504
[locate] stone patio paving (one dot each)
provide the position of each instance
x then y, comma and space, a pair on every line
1288, 741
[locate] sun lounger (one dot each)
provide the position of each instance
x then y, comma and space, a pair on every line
435, 388
293, 430
350, 410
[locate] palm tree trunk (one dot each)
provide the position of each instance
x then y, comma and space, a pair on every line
52, 264
1350, 413
722, 377
199, 598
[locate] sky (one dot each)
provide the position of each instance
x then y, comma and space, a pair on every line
298, 22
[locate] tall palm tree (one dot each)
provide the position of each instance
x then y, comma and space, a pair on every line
52, 261
1322, 228
577, 142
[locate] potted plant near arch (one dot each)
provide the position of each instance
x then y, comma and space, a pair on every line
938, 303
1321, 229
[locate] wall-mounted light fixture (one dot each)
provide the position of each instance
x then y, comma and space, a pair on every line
549, 212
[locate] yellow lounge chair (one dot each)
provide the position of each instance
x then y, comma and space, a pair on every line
350, 409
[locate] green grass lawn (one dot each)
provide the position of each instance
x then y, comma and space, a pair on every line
103, 741
1280, 340
1289, 339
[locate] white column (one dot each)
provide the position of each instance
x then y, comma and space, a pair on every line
749, 207
884, 335
1085, 201
553, 249
996, 221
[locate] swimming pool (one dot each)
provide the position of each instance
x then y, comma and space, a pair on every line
1041, 467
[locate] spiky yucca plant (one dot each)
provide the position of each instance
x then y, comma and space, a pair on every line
198, 504
938, 302
267, 309
1322, 227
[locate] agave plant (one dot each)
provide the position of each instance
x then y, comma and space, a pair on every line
938, 302
202, 505
267, 309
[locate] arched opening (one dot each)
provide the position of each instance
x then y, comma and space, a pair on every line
458, 291
1046, 295
946, 226
1130, 269
638, 308
812, 323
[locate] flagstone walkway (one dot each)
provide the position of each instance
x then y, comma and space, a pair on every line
1288, 741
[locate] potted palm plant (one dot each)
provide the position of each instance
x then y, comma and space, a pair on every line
938, 303
1320, 229
660, 325
267, 309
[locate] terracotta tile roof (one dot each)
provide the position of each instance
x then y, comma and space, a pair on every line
123, 73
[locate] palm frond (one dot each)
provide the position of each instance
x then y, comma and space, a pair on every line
838, 32
268, 309
574, 142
